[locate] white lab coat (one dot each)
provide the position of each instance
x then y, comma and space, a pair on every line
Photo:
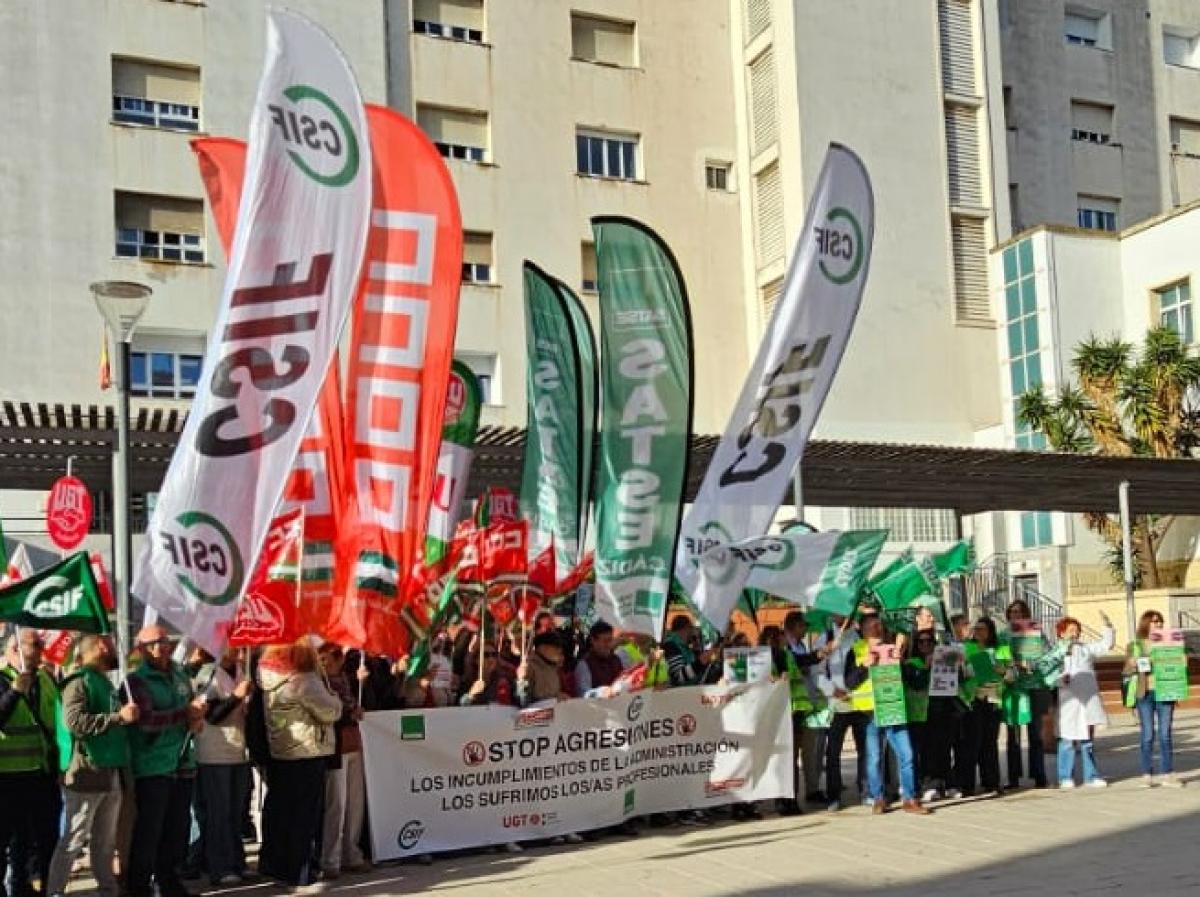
1079, 704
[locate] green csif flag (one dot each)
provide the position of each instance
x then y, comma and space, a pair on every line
561, 385
64, 596
646, 333
461, 424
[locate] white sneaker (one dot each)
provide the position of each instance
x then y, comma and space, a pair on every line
1097, 783
930, 795
1148, 781
953, 794
573, 838
1170, 780
513, 847
1068, 785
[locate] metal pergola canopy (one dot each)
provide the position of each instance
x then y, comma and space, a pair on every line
37, 439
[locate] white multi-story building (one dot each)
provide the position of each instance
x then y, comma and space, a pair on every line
1059, 286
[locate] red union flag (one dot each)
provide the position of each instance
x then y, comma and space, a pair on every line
270, 612
504, 549
68, 512
400, 352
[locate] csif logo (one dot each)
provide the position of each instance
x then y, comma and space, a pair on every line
839, 246
410, 834
319, 137
206, 558
634, 710
54, 596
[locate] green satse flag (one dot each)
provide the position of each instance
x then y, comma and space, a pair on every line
893, 566
590, 375
845, 574
646, 336
553, 483
3, 551
957, 559
464, 399
64, 596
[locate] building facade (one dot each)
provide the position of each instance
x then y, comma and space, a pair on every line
1101, 109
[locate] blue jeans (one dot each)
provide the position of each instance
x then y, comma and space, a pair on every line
1066, 760
1148, 709
897, 737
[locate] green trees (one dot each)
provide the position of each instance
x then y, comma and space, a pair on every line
1126, 402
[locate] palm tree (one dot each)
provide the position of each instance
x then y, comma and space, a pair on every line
1125, 404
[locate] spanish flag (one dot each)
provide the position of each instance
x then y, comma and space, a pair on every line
105, 366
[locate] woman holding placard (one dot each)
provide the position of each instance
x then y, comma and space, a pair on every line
1080, 709
1153, 714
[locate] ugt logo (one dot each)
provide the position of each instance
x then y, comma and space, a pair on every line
319, 136
839, 246
206, 558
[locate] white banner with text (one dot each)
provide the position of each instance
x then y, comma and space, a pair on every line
453, 778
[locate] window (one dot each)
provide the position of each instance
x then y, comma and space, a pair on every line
956, 34
159, 228
1181, 49
590, 280
769, 297
758, 17
764, 99
451, 19
768, 215
155, 95
962, 156
1024, 345
484, 368
457, 133
1185, 137
1097, 213
1085, 28
604, 41
477, 257
1037, 529
1175, 310
1091, 122
604, 155
165, 366
968, 241
716, 175
907, 524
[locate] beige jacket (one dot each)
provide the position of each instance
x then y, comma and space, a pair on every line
301, 711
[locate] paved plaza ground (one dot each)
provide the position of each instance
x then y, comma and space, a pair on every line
1033, 842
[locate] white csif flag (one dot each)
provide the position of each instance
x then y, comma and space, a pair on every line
785, 389
293, 273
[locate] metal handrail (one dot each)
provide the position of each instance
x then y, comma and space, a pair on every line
1189, 620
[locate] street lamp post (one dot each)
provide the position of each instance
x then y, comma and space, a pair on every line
122, 303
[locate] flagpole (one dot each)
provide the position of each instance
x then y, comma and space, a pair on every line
482, 631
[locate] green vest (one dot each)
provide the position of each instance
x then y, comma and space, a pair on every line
802, 701
656, 673
109, 749
27, 740
1136, 649
863, 697
166, 751
916, 700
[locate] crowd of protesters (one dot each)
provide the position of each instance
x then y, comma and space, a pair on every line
154, 776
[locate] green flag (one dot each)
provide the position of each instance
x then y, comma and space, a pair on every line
910, 582
895, 565
561, 385
646, 333
463, 398
64, 596
3, 551
957, 559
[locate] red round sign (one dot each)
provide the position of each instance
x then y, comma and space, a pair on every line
68, 512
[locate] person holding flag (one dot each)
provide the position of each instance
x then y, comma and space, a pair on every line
796, 663
93, 735
30, 802
862, 658
162, 752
